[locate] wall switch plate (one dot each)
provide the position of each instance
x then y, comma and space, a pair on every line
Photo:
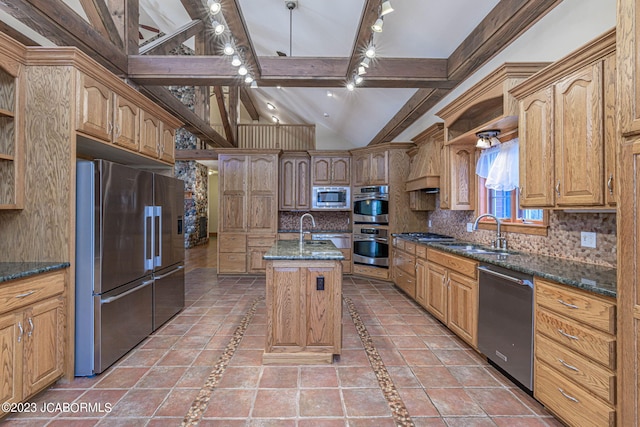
469, 227
587, 239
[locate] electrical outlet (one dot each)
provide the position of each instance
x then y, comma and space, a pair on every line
469, 227
587, 239
429, 224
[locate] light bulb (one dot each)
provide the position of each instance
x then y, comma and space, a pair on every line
254, 84
371, 52
228, 49
377, 26
248, 78
243, 70
362, 70
214, 7
350, 86
358, 80
218, 28
236, 61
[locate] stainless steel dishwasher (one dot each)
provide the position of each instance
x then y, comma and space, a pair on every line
505, 321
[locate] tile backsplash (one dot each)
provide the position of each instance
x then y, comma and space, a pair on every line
325, 221
562, 239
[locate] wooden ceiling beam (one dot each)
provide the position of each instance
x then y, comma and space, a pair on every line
100, 17
164, 44
56, 21
247, 101
16, 35
219, 94
238, 27
196, 155
370, 13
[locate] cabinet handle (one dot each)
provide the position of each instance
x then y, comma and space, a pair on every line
573, 337
520, 190
567, 396
558, 188
109, 127
31, 326
26, 294
118, 132
21, 331
566, 304
610, 184
566, 365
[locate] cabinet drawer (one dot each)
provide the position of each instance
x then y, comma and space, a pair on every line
459, 264
268, 240
232, 262
570, 402
421, 251
232, 242
577, 305
365, 270
23, 292
410, 247
399, 243
593, 344
581, 370
405, 262
406, 283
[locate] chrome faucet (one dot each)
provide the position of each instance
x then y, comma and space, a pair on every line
313, 221
500, 242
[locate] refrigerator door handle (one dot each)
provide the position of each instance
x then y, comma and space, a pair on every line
169, 273
149, 237
124, 294
157, 261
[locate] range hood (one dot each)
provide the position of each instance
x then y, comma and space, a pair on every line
424, 173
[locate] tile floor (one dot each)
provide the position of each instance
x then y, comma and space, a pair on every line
439, 379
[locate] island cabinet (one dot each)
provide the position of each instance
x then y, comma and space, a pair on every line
248, 209
295, 189
449, 288
575, 354
330, 168
32, 335
567, 130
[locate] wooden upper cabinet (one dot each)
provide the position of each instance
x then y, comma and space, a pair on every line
536, 149
263, 193
167, 143
370, 167
295, 190
457, 189
95, 108
610, 131
361, 165
149, 134
330, 169
233, 192
126, 128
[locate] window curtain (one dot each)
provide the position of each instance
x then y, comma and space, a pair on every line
499, 165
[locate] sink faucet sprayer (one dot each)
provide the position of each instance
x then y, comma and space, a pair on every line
500, 242
313, 221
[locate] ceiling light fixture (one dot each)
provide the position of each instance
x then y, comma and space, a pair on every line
370, 52
358, 79
365, 62
270, 106
243, 70
362, 70
214, 6
330, 94
228, 49
248, 78
377, 26
254, 84
236, 61
218, 28
275, 119
487, 138
350, 86
386, 8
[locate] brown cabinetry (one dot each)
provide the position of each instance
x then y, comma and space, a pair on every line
248, 210
31, 335
403, 266
330, 168
457, 186
575, 354
567, 130
295, 190
303, 320
370, 168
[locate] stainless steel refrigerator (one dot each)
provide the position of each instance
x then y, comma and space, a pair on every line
129, 259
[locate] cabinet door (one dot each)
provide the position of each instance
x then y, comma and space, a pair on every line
379, 172
263, 193
95, 108
126, 132
321, 170
361, 170
321, 308
288, 187
610, 135
463, 307
288, 325
445, 178
303, 189
463, 181
340, 171
11, 339
535, 129
233, 193
579, 147
421, 282
437, 291
167, 143
149, 134
43, 345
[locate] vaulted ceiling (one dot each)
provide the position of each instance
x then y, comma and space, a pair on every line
425, 49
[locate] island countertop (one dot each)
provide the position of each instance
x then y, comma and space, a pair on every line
310, 250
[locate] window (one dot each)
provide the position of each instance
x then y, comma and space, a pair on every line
501, 200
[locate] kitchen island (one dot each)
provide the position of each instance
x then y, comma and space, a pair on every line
304, 302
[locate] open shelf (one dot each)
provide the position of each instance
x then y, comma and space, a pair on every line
506, 125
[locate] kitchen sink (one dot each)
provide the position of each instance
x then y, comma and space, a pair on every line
315, 243
472, 248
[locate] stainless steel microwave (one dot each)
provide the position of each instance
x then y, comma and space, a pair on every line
331, 198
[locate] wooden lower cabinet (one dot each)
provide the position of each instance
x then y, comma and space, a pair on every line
463, 307
575, 354
257, 246
32, 328
303, 318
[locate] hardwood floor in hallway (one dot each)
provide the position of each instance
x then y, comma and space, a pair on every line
203, 367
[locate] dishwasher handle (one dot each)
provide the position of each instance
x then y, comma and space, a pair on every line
520, 282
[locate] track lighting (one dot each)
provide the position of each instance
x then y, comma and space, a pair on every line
243, 70
365, 62
362, 70
386, 8
370, 52
214, 6
358, 79
254, 84
248, 78
236, 61
228, 49
487, 138
350, 86
377, 26
218, 28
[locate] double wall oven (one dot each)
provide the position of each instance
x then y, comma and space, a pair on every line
371, 218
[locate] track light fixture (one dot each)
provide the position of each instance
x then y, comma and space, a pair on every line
254, 84
218, 28
228, 49
243, 70
351, 86
377, 26
487, 138
362, 70
236, 61
358, 79
370, 52
386, 8
248, 78
214, 6
365, 62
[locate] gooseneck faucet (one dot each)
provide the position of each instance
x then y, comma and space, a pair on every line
500, 242
313, 221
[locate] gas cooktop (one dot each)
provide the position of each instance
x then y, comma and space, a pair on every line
429, 237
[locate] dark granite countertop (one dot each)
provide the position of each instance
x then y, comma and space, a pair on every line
310, 250
20, 270
286, 230
589, 277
